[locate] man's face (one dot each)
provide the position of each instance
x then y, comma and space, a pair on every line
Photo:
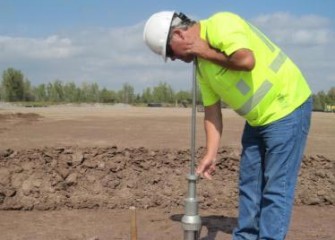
178, 47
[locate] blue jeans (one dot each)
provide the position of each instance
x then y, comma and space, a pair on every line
269, 168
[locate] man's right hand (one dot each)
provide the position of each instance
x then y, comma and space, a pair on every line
206, 168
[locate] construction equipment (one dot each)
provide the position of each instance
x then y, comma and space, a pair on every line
191, 221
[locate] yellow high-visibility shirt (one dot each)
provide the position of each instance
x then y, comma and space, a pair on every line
272, 90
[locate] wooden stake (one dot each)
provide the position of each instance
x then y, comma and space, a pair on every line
133, 224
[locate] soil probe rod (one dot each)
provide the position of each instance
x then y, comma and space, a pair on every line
191, 220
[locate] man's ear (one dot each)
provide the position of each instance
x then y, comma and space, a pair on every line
179, 33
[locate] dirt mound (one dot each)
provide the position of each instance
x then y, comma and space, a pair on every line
75, 178
22, 116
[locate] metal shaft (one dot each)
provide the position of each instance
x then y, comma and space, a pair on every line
191, 220
193, 123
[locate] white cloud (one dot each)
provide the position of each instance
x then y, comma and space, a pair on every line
52, 47
289, 29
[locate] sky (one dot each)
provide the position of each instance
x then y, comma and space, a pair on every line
101, 41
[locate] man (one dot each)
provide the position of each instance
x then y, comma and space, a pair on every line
239, 65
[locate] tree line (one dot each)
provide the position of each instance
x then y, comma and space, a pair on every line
324, 101
15, 87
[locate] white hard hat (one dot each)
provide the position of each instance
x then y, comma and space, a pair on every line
156, 32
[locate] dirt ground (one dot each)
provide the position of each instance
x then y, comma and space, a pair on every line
72, 172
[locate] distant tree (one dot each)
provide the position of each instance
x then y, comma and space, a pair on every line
55, 91
28, 94
321, 99
90, 92
138, 98
108, 96
317, 104
126, 94
163, 93
71, 92
13, 85
183, 96
94, 93
331, 96
58, 93
84, 92
49, 90
147, 95
40, 93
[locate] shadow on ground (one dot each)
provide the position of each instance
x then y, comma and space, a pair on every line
213, 224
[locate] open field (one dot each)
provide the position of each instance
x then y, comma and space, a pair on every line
133, 127
79, 168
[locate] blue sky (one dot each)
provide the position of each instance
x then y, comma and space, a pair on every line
101, 41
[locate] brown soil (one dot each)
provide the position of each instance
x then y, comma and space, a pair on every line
79, 169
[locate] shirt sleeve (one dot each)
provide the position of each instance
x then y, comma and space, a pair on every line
226, 32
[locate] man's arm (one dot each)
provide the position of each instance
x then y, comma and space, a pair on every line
213, 129
241, 60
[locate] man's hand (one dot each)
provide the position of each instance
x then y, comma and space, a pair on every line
188, 42
206, 168
199, 47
